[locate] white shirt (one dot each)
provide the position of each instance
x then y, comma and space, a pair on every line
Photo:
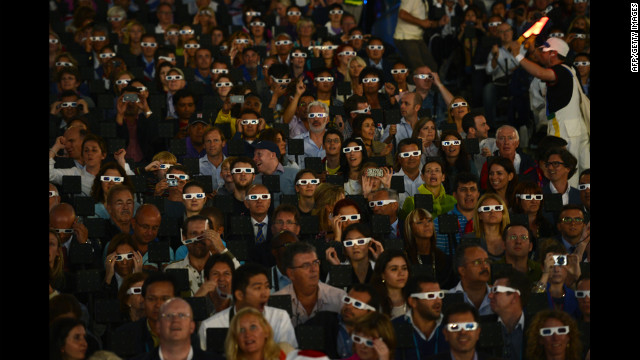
408, 31
189, 356
565, 195
278, 319
329, 299
485, 307
264, 228
196, 278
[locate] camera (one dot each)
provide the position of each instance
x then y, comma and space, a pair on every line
130, 98
237, 99
172, 182
559, 260
375, 172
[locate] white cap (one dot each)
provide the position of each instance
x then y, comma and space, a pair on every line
556, 44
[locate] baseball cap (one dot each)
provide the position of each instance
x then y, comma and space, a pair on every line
555, 44
197, 117
268, 145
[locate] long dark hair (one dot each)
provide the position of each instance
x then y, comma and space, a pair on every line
343, 159
376, 278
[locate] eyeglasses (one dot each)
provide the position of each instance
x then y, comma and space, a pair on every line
253, 13
350, 217
224, 84
142, 88
64, 231
584, 186
98, 38
375, 47
53, 41
134, 290
283, 223
308, 182
294, 13
123, 82
357, 303
307, 265
242, 170
191, 46
487, 208
173, 32
431, 295
503, 289
281, 81
166, 58
352, 242
362, 111
283, 42
250, 122
316, 115
466, 326
410, 153
172, 316
399, 71
569, 220
257, 23
186, 32
149, 44
423, 76
362, 340
530, 196
336, 12
242, 41
370, 80
455, 105
581, 294
63, 63
381, 202
352, 148
173, 77
523, 237
554, 164
556, 35
192, 240
451, 142
328, 47
299, 54
69, 104
122, 257
117, 179
478, 262
53, 193
190, 196
580, 36
324, 78
356, 37
220, 71
581, 63
223, 47
258, 197
560, 330
110, 55
165, 166
177, 176
347, 53
494, 23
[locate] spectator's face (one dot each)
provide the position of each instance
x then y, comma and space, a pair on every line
249, 131
375, 54
356, 252
75, 344
451, 151
284, 49
99, 44
135, 33
251, 337
332, 144
185, 107
121, 207
156, 294
371, 87
462, 341
175, 85
460, 110
308, 189
354, 158
305, 278
251, 59
198, 249
555, 346
194, 204
356, 39
432, 174
217, 37
347, 23
428, 309
507, 142
472, 272
222, 275
293, 15
571, 229
531, 206
317, 124
584, 303
259, 207
196, 131
68, 82
410, 163
466, 195
585, 195
515, 245
493, 29
124, 267
146, 226
482, 129
264, 159
499, 177
285, 221
252, 103
349, 312
242, 180
106, 185
423, 84
256, 295
176, 329
396, 273
368, 129
428, 131
69, 112
423, 228
557, 172
135, 302
213, 143
203, 59
490, 217
92, 154
390, 209
355, 68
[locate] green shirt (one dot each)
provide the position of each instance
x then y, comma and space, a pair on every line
441, 204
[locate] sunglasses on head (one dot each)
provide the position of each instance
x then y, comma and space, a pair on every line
487, 208
308, 182
190, 196
530, 196
466, 326
560, 330
350, 217
352, 242
357, 303
431, 295
242, 170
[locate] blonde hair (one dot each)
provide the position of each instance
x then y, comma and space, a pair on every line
58, 264
325, 194
357, 59
271, 350
454, 100
165, 157
133, 22
477, 225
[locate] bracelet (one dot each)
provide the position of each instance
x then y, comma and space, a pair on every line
519, 58
148, 113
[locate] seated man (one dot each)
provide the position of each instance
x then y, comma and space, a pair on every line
561, 166
518, 244
73, 234
266, 155
408, 156
308, 294
472, 263
424, 297
279, 243
250, 288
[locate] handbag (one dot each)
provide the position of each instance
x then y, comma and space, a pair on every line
585, 102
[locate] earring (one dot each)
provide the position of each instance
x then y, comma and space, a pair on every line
383, 281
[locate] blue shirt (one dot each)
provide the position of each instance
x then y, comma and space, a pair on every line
207, 168
442, 240
310, 149
192, 152
403, 131
435, 103
485, 307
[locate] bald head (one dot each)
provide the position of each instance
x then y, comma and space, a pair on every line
147, 211
62, 216
146, 224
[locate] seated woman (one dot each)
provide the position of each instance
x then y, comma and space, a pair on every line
458, 108
345, 212
122, 260
373, 338
502, 179
365, 128
425, 130
357, 243
433, 175
110, 174
390, 276
324, 199
251, 337
529, 201
456, 158
60, 281
130, 297
489, 221
553, 334
306, 183
352, 157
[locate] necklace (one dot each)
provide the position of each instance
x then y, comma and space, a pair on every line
433, 263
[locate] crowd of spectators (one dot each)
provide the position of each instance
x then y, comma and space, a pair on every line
270, 180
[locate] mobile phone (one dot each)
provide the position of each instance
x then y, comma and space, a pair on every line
172, 182
130, 98
237, 99
375, 172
